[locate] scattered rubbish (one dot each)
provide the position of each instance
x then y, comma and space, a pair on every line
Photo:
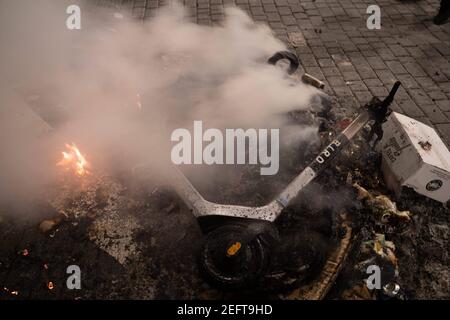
415, 156
379, 252
25, 252
391, 289
362, 192
388, 209
383, 248
320, 287
384, 208
47, 225
12, 292
313, 81
358, 292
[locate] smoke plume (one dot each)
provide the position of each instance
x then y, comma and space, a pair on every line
117, 87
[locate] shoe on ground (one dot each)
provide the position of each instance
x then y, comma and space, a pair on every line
442, 17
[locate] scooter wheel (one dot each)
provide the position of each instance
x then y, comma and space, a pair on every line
232, 257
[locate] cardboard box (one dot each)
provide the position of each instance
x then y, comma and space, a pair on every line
415, 156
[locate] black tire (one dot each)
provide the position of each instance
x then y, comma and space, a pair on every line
243, 269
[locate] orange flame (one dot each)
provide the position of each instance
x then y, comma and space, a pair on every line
74, 159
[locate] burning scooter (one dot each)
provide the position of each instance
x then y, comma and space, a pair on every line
240, 239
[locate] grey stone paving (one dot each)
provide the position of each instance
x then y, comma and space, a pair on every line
334, 44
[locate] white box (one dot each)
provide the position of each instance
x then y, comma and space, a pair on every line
415, 156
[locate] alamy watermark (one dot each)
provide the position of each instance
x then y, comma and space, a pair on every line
74, 279
374, 20
374, 279
73, 21
214, 147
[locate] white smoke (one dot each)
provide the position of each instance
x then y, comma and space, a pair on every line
118, 87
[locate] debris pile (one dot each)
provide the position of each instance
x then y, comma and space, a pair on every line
397, 237
143, 241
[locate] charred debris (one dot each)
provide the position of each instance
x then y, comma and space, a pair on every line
141, 242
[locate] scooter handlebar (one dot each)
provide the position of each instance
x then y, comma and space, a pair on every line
292, 58
388, 100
